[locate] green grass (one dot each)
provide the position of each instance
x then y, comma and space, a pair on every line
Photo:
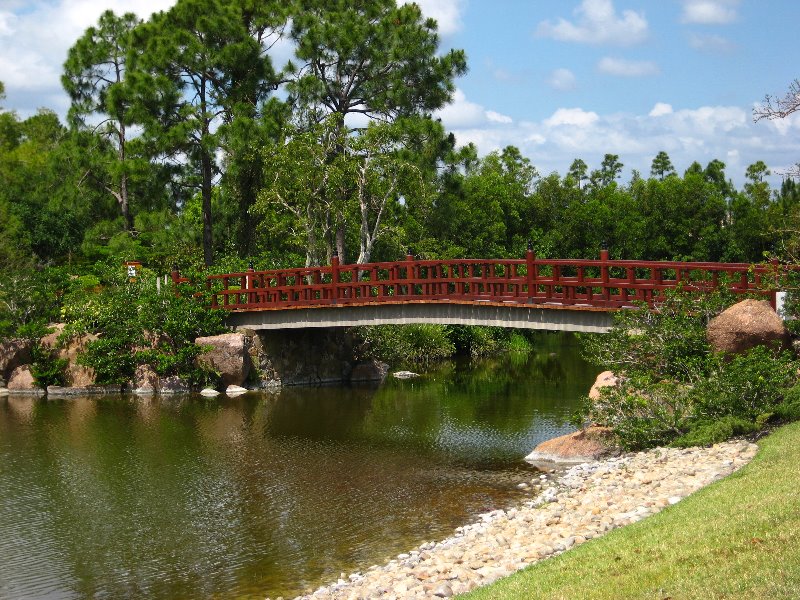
737, 538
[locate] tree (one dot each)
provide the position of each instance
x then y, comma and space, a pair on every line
298, 177
366, 61
372, 58
196, 64
610, 170
578, 172
94, 74
662, 166
779, 108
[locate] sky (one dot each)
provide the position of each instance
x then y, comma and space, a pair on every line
559, 79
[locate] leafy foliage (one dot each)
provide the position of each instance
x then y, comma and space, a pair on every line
139, 326
674, 389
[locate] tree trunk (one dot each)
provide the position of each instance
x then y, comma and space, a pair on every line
340, 241
123, 183
208, 241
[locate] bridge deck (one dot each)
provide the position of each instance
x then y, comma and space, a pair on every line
551, 317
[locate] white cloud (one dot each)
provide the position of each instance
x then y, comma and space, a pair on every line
496, 117
711, 43
689, 134
446, 12
596, 22
35, 40
461, 113
562, 80
660, 109
710, 12
572, 117
620, 67
7, 23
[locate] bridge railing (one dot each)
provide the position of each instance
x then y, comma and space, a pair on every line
603, 283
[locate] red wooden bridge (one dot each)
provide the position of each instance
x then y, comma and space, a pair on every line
532, 292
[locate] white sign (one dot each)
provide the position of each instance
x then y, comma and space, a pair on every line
131, 271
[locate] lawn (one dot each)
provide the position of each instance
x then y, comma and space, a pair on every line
737, 538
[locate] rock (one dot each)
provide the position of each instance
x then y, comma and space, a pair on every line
405, 374
373, 370
580, 446
51, 339
228, 356
443, 591
745, 325
76, 375
3, 391
21, 380
145, 381
605, 379
173, 385
235, 390
209, 393
14, 353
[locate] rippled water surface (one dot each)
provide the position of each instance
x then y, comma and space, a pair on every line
265, 494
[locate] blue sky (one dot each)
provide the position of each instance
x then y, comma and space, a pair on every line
560, 79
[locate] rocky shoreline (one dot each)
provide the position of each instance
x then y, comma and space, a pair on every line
586, 502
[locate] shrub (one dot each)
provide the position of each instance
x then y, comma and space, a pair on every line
676, 389
406, 344
666, 344
137, 325
705, 433
744, 386
641, 413
46, 368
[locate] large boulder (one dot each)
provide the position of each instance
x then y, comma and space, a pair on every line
745, 325
228, 355
77, 376
605, 379
145, 381
584, 445
13, 353
21, 380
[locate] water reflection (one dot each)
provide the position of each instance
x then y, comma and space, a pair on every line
264, 493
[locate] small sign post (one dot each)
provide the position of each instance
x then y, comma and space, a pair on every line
133, 267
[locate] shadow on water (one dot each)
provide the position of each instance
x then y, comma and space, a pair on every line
267, 493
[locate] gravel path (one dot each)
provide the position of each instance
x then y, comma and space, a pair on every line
587, 501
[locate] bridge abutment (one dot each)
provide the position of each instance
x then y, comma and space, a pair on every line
310, 356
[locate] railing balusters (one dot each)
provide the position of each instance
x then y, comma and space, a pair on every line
569, 282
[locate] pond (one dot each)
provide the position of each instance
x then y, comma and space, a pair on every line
266, 494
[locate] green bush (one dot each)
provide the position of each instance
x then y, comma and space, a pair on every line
666, 344
676, 390
641, 413
705, 433
744, 386
406, 344
789, 408
46, 368
137, 326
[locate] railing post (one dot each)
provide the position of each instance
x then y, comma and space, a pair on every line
410, 275
530, 276
604, 274
773, 297
248, 283
335, 276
